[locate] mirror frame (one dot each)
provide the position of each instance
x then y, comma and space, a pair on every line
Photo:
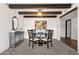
13, 23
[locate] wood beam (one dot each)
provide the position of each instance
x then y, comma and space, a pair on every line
54, 12
39, 16
68, 12
25, 6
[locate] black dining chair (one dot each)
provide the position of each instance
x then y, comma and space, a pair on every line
31, 38
48, 38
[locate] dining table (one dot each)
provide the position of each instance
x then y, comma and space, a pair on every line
40, 35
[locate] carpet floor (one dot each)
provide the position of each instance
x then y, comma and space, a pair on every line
58, 48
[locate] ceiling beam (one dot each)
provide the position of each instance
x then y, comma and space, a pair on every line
69, 12
25, 6
39, 16
54, 12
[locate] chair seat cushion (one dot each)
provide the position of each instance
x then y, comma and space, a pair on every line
45, 39
35, 39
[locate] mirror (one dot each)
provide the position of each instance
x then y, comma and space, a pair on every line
15, 23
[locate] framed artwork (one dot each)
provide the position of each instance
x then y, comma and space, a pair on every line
40, 25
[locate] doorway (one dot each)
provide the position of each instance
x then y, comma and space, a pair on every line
68, 28
70, 42
68, 32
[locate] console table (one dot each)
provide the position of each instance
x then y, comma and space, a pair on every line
16, 38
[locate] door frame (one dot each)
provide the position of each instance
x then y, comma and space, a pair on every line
66, 28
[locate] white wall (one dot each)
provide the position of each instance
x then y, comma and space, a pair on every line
52, 23
78, 28
6, 15
21, 22
73, 17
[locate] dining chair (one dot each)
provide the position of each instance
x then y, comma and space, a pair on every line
48, 38
31, 38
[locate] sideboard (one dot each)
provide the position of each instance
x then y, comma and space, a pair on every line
16, 38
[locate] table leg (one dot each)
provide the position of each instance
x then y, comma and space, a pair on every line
40, 43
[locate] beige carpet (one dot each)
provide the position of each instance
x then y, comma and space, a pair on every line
58, 48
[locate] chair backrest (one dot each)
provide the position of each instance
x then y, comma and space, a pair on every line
30, 34
50, 34
34, 31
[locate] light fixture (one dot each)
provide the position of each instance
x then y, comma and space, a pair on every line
39, 12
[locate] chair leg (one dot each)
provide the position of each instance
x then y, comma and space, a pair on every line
47, 45
51, 44
32, 45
